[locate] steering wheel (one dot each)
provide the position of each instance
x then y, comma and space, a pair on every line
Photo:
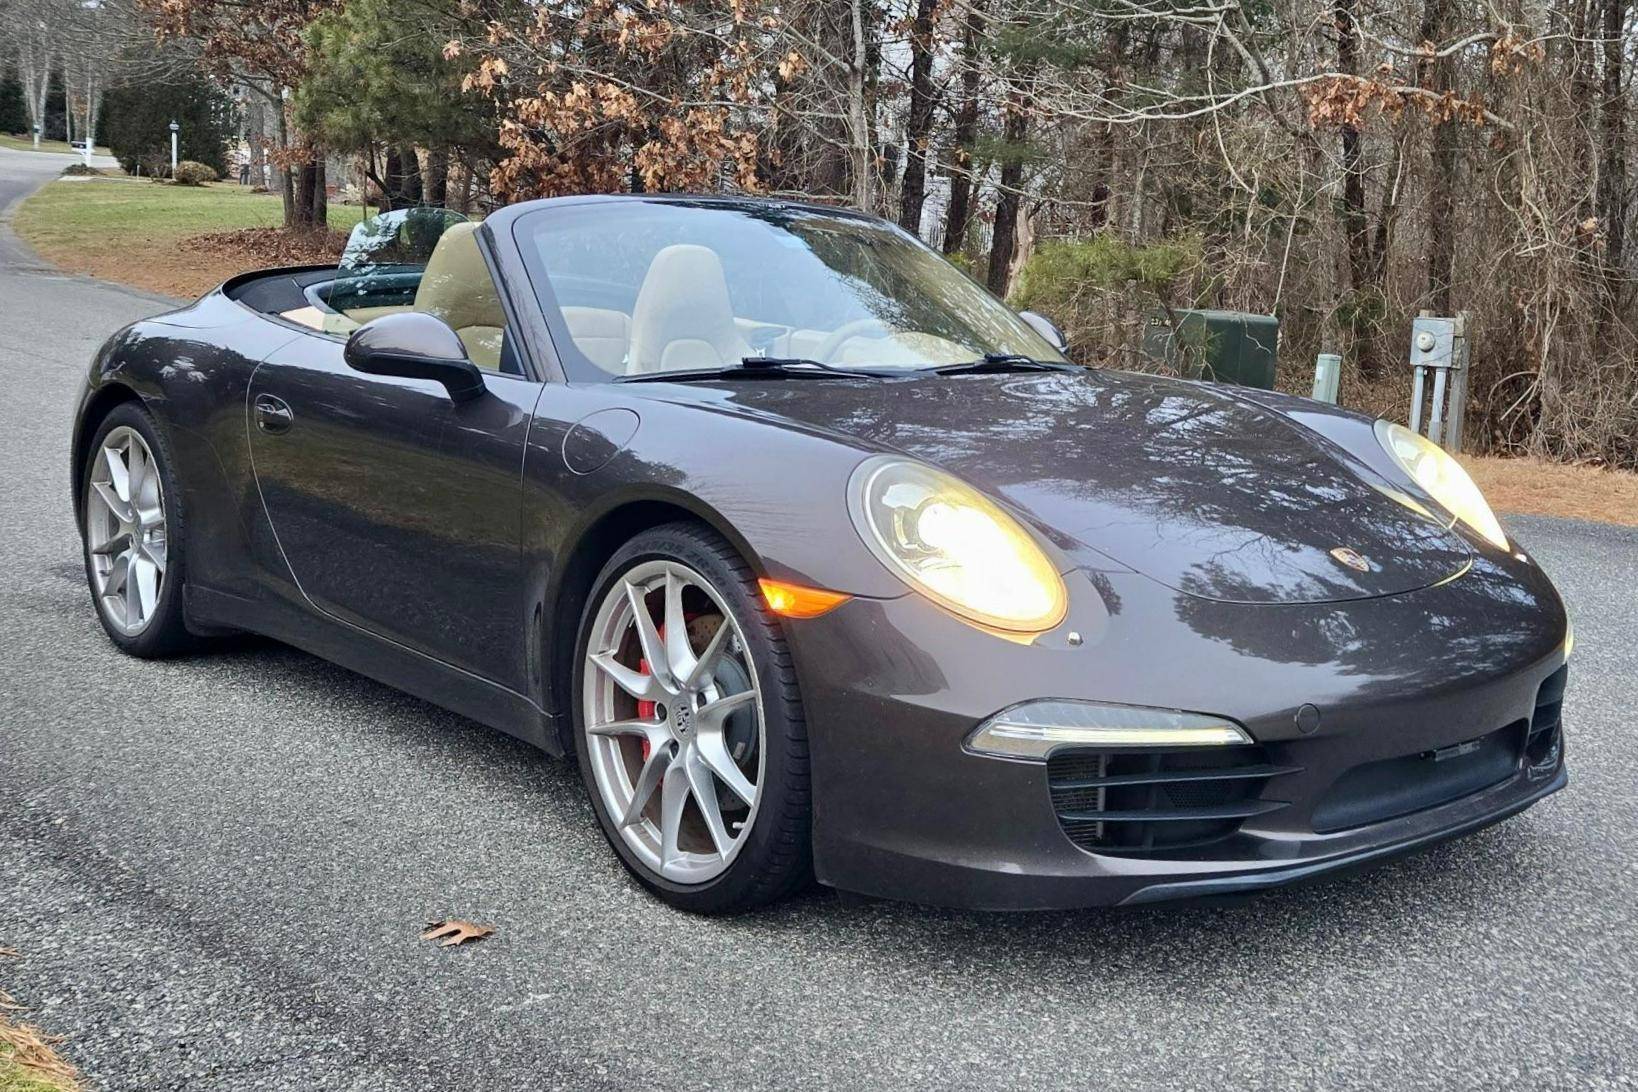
846, 333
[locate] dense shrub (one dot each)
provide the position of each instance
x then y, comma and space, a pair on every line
1091, 287
189, 173
80, 168
13, 110
137, 117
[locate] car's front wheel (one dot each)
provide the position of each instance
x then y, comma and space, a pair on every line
132, 508
689, 727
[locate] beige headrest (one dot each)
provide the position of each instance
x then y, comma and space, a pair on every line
683, 316
456, 285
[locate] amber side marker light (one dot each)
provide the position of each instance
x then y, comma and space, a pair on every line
795, 601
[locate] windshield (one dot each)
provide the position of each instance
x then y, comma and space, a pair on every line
637, 287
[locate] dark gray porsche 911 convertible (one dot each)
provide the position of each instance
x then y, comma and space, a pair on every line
823, 562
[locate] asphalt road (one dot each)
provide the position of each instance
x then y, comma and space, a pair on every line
215, 871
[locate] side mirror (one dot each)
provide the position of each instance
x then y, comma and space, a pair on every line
1047, 329
415, 345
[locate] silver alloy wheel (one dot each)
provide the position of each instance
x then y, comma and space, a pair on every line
125, 530
674, 734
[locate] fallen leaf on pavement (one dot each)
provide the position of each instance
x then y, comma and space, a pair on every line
455, 931
8, 952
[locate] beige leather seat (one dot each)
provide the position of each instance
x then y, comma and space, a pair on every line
457, 288
683, 317
603, 335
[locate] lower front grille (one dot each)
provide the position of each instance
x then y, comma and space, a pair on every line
1391, 787
1152, 801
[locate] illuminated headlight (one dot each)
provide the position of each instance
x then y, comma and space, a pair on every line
1035, 729
955, 546
1443, 477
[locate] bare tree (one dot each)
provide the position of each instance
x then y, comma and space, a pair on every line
35, 28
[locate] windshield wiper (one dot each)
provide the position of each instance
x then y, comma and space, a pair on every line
755, 366
800, 364
991, 363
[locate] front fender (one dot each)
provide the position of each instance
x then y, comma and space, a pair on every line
778, 494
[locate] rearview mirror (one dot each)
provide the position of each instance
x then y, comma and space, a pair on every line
415, 345
1047, 329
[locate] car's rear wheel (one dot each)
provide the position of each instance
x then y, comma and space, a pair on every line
133, 512
689, 728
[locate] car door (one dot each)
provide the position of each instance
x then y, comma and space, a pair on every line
397, 509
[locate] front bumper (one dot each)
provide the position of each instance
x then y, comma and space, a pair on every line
892, 688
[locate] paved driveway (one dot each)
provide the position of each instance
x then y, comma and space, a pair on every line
215, 870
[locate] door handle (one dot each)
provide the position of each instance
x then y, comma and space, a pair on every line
273, 414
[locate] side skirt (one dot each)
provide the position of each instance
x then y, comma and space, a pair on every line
431, 680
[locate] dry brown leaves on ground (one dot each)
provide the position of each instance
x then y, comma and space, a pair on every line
34, 1051
1534, 487
252, 248
455, 931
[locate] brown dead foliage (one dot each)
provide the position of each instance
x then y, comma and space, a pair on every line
33, 1050
252, 248
1539, 488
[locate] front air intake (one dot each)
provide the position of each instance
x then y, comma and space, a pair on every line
1544, 745
1156, 801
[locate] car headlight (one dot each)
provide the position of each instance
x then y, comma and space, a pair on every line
1434, 470
956, 546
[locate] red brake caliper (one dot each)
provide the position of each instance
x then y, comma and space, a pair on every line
645, 708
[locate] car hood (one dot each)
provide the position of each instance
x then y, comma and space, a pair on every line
1187, 483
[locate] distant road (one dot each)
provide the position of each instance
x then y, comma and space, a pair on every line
21, 173
215, 871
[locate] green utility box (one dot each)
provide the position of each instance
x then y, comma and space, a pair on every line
1227, 346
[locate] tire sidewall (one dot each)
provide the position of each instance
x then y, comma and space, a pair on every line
737, 886
166, 631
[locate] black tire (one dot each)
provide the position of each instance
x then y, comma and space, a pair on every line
777, 858
165, 634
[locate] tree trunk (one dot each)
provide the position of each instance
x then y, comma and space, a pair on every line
1013, 131
34, 66
458, 186
256, 136
304, 196
860, 168
392, 175
1436, 76
1584, 104
962, 182
402, 187
321, 195
281, 171
1612, 170
409, 178
919, 123
435, 184
1362, 269
92, 102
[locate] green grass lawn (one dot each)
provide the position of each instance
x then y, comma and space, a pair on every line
26, 144
108, 211
134, 230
